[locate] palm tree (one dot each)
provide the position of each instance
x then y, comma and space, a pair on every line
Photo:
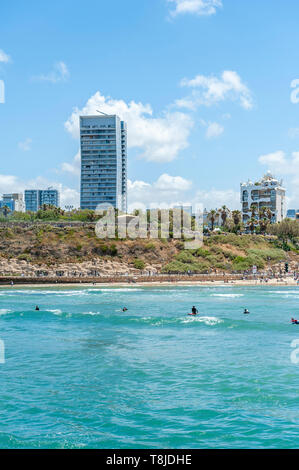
236, 217
212, 218
6, 210
269, 215
224, 214
263, 219
253, 211
252, 223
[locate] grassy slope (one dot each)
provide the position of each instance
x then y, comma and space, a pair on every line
225, 253
228, 253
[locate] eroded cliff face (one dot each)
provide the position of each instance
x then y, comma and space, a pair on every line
46, 248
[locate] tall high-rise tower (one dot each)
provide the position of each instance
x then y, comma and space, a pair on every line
103, 141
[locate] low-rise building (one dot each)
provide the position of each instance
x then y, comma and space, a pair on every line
14, 201
36, 198
291, 214
50, 197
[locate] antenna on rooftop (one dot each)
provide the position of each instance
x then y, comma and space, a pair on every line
101, 112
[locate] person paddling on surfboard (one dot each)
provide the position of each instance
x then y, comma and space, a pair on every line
295, 322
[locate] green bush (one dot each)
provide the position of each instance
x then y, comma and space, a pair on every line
201, 252
273, 254
185, 257
25, 257
108, 250
229, 255
150, 247
112, 250
242, 264
139, 264
178, 267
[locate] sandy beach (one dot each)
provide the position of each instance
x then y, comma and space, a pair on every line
288, 282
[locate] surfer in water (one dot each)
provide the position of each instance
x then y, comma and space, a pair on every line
246, 311
37, 307
295, 322
194, 311
125, 309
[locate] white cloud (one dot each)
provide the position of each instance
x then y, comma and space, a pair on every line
25, 145
169, 191
60, 73
11, 183
199, 7
275, 160
4, 57
215, 198
8, 183
163, 193
288, 166
214, 130
209, 90
73, 168
172, 183
160, 139
68, 196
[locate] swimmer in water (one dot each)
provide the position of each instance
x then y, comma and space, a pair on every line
246, 311
37, 307
125, 309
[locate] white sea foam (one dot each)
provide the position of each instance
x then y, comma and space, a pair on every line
56, 312
210, 321
284, 292
68, 293
112, 289
4, 311
91, 313
228, 295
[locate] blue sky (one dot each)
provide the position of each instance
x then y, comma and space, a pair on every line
205, 86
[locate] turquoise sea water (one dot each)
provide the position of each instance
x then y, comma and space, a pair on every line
80, 373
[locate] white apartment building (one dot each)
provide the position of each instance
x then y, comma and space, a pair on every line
15, 201
269, 193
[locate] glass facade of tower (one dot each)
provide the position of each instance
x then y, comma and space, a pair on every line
32, 200
36, 198
103, 141
50, 197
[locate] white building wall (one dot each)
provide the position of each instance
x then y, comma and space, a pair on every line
275, 200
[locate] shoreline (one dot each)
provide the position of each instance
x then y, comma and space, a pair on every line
237, 283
